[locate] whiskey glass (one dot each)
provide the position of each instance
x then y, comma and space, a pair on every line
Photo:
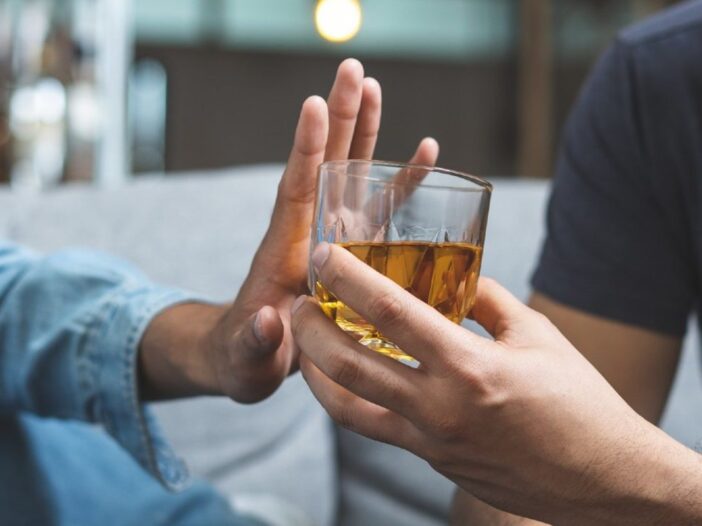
421, 226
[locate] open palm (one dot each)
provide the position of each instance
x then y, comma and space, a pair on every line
253, 345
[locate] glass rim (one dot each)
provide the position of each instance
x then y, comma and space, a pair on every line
484, 185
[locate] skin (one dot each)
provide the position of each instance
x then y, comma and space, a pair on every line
540, 433
639, 364
244, 350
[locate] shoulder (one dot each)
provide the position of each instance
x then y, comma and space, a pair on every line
678, 22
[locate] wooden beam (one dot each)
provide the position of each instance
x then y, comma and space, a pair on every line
644, 8
535, 89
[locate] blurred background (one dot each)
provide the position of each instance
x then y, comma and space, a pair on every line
105, 90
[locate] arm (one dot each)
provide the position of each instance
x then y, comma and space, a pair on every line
87, 337
70, 324
62, 315
69, 327
540, 432
616, 274
640, 364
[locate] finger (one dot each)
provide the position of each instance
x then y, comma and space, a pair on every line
267, 330
497, 310
405, 181
344, 104
427, 152
368, 123
296, 191
350, 364
414, 326
357, 414
420, 165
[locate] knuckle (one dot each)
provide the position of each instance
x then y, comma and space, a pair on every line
439, 457
490, 282
340, 411
545, 322
302, 192
487, 283
447, 428
539, 317
386, 310
300, 324
343, 110
343, 416
333, 273
346, 370
481, 378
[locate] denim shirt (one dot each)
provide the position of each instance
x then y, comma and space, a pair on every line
77, 447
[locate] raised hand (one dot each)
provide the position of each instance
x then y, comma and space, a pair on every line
246, 350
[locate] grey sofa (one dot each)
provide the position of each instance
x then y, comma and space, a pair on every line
199, 231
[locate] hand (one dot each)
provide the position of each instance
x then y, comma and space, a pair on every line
245, 350
523, 422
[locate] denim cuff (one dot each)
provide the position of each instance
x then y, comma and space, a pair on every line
109, 380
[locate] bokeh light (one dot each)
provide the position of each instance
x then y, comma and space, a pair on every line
338, 20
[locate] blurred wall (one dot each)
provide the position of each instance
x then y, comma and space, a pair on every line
227, 107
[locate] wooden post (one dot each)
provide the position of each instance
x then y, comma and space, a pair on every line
644, 8
535, 89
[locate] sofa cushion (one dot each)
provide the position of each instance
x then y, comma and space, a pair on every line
199, 232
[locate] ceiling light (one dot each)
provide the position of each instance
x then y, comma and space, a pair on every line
338, 20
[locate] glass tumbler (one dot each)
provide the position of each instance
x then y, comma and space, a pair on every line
422, 227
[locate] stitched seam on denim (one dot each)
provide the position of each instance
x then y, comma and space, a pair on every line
87, 358
129, 392
105, 414
121, 351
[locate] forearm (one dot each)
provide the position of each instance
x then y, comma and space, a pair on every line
70, 327
666, 485
70, 324
652, 480
660, 484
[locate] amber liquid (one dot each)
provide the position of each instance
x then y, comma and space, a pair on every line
444, 275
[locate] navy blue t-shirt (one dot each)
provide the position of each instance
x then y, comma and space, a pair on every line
624, 225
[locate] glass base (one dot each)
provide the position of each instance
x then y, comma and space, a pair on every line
384, 346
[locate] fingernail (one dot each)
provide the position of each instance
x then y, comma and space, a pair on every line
298, 303
258, 329
320, 255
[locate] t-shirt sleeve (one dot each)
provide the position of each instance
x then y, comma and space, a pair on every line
615, 245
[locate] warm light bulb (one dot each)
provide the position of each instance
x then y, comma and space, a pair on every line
338, 20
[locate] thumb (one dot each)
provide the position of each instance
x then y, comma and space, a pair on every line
498, 311
259, 336
253, 369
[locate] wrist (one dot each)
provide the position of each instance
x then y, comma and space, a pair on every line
175, 353
655, 480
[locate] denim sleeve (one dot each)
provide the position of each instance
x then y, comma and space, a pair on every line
70, 327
